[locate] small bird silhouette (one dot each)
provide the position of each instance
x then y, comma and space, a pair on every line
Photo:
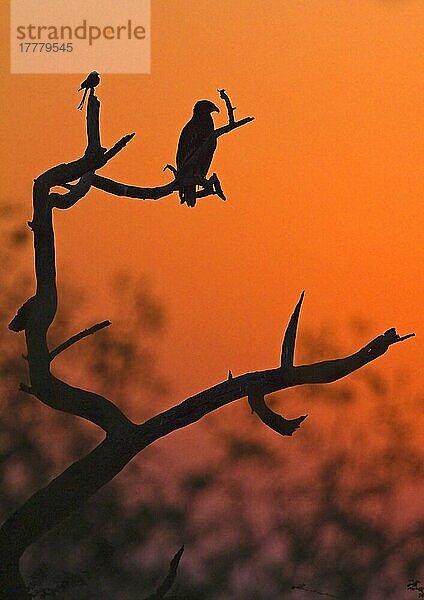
92, 80
196, 148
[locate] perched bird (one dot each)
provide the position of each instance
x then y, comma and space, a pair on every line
92, 80
196, 147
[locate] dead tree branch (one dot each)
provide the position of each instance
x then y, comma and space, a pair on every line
77, 337
169, 580
289, 342
156, 193
69, 491
65, 494
230, 108
37, 314
303, 587
270, 418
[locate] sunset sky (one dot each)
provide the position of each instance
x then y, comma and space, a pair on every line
324, 188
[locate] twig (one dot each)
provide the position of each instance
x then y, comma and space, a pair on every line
66, 172
169, 580
120, 144
289, 342
170, 168
270, 418
312, 591
230, 107
404, 337
77, 337
231, 126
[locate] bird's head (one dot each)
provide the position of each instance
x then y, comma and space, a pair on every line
204, 107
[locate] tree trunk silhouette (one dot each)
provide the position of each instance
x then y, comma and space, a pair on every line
124, 439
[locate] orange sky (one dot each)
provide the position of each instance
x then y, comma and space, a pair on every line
324, 188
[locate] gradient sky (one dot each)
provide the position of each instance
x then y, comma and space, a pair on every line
324, 188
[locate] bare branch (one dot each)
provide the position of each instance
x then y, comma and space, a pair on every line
272, 419
289, 342
231, 126
268, 381
74, 170
171, 168
120, 144
77, 337
303, 587
379, 345
169, 580
66, 493
94, 149
230, 107
232, 123
211, 186
397, 338
254, 385
133, 191
75, 193
82, 403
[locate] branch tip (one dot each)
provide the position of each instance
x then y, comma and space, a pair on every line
77, 337
393, 337
270, 418
169, 580
289, 342
171, 168
406, 337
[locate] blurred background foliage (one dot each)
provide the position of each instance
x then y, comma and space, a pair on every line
337, 508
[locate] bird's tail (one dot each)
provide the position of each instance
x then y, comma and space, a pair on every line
81, 104
188, 194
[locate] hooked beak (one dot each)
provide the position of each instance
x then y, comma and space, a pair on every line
215, 108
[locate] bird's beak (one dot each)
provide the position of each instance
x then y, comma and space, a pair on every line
215, 108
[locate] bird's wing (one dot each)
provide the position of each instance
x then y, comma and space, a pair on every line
206, 154
191, 139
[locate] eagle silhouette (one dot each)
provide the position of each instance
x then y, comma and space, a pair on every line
196, 147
